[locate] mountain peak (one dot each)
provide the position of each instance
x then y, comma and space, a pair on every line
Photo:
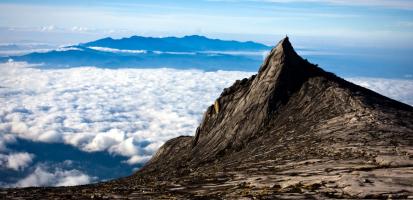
286, 48
285, 43
282, 54
283, 73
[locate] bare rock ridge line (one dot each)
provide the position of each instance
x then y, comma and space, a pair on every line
290, 131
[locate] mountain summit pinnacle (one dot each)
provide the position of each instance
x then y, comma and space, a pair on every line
281, 52
293, 131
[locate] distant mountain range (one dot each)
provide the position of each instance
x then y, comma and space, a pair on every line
191, 43
148, 52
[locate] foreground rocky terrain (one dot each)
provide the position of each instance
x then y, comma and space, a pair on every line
291, 131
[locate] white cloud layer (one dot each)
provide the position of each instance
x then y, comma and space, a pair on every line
129, 112
401, 90
112, 50
43, 177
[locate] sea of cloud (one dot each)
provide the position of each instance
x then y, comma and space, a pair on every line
398, 89
128, 112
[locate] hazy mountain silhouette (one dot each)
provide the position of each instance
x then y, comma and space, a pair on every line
189, 52
175, 44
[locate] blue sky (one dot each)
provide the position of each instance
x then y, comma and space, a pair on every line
343, 23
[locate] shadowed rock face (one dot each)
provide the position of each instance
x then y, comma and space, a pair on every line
291, 131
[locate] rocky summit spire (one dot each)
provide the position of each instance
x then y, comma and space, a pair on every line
283, 72
282, 51
250, 104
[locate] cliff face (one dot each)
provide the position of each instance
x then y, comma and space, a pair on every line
291, 131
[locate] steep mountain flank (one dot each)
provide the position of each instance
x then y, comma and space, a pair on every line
291, 131
294, 110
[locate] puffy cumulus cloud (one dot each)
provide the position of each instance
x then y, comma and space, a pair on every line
16, 161
9, 159
102, 141
41, 176
138, 159
128, 112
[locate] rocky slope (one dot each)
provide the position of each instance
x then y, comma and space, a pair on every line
291, 131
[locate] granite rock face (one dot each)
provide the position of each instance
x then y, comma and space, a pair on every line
291, 131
